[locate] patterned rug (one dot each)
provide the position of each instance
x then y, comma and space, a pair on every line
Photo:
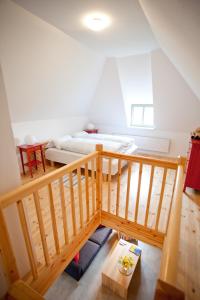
74, 179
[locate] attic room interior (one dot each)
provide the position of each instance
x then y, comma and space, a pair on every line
100, 149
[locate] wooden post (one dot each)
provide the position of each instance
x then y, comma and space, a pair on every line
109, 182
27, 239
6, 251
165, 291
149, 196
118, 187
128, 189
72, 203
64, 215
99, 148
161, 198
168, 271
93, 188
41, 227
182, 160
87, 198
138, 192
80, 196
53, 218
172, 197
21, 290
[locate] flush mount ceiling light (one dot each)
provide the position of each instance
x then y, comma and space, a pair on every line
96, 21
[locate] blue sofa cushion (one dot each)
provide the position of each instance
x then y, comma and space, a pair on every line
100, 236
74, 270
87, 254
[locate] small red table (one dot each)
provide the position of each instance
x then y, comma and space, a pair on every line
91, 130
29, 149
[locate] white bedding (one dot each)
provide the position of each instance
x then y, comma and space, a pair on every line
69, 150
66, 157
110, 137
87, 145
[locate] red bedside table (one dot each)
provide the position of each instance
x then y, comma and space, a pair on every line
29, 149
91, 130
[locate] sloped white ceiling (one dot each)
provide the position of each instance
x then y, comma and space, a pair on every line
128, 34
176, 25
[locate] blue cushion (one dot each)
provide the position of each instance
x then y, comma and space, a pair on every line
74, 270
87, 254
100, 235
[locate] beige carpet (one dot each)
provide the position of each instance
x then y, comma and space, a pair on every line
89, 287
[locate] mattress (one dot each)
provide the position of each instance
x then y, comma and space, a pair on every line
66, 157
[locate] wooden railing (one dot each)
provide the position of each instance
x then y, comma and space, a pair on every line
167, 283
138, 199
57, 214
59, 211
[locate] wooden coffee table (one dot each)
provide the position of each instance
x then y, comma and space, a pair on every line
111, 276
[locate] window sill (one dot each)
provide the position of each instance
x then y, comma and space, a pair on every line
142, 127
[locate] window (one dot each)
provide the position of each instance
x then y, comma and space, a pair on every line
142, 115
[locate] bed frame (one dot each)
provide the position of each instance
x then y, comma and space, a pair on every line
65, 157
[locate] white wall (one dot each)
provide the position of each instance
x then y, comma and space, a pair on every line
176, 27
47, 129
136, 78
107, 105
136, 81
176, 107
9, 179
48, 75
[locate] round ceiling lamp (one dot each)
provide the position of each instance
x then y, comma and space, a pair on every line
96, 21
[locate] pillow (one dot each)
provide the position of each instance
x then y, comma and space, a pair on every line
50, 144
77, 257
80, 134
57, 142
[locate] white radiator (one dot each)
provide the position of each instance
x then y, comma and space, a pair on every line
152, 144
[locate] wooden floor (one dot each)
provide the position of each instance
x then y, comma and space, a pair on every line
156, 190
189, 261
46, 213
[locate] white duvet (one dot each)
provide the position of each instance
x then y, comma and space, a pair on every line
110, 137
87, 145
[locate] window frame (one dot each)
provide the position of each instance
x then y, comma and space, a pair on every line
141, 125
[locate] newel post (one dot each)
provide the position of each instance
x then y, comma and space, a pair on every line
166, 285
7, 254
99, 149
182, 161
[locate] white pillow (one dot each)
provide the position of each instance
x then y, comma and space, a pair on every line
50, 144
57, 142
80, 134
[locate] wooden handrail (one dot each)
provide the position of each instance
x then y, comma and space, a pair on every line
168, 270
142, 159
27, 189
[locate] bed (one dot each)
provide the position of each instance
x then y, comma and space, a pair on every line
70, 148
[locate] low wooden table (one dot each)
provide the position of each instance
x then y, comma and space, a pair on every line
111, 276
